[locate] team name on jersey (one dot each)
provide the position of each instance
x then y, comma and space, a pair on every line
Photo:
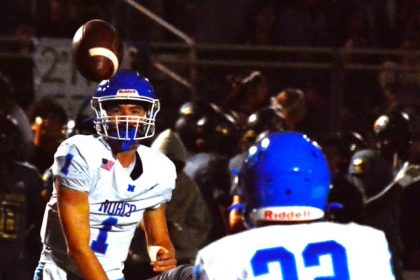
117, 208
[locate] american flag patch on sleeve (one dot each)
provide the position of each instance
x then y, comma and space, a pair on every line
107, 164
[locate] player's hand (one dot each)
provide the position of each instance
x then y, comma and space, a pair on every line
408, 174
236, 222
236, 218
165, 260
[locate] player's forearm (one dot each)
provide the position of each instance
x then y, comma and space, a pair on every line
164, 242
88, 264
161, 252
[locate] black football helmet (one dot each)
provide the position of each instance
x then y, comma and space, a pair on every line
189, 114
349, 142
218, 133
340, 147
10, 138
393, 134
263, 121
197, 108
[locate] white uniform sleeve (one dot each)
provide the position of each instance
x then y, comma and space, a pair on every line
198, 271
166, 172
169, 186
167, 193
71, 168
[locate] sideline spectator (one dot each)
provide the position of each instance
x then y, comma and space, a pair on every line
21, 206
48, 119
248, 95
381, 174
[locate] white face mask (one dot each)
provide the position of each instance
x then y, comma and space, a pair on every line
130, 125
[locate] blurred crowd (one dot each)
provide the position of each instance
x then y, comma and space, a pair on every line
374, 155
375, 173
328, 23
346, 25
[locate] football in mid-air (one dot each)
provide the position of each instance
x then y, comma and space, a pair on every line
97, 50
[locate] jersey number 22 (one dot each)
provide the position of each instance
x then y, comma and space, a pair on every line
310, 255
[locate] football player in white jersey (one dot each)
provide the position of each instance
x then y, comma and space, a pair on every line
286, 182
104, 185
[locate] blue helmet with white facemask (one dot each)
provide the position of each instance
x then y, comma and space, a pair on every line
285, 178
126, 87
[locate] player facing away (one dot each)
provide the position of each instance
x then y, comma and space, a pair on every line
286, 183
104, 185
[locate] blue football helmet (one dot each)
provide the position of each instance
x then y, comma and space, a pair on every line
126, 87
285, 178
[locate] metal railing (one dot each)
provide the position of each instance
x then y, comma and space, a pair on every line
333, 62
329, 56
193, 56
189, 41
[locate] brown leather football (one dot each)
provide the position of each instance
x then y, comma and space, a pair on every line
97, 50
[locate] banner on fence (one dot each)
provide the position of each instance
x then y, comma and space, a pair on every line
56, 76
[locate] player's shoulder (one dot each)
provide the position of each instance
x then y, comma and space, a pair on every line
87, 144
149, 155
228, 242
365, 229
353, 229
86, 149
367, 154
26, 166
80, 140
371, 162
26, 172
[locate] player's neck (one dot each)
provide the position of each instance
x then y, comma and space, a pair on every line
126, 158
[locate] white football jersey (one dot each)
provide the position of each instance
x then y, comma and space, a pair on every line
301, 251
117, 203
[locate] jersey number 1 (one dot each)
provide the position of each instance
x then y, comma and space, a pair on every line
99, 245
311, 255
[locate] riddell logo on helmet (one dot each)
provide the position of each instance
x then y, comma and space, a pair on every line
287, 215
127, 92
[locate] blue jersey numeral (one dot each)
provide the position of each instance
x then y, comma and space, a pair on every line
310, 255
338, 256
67, 162
99, 245
261, 258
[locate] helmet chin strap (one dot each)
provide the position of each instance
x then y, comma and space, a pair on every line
126, 145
